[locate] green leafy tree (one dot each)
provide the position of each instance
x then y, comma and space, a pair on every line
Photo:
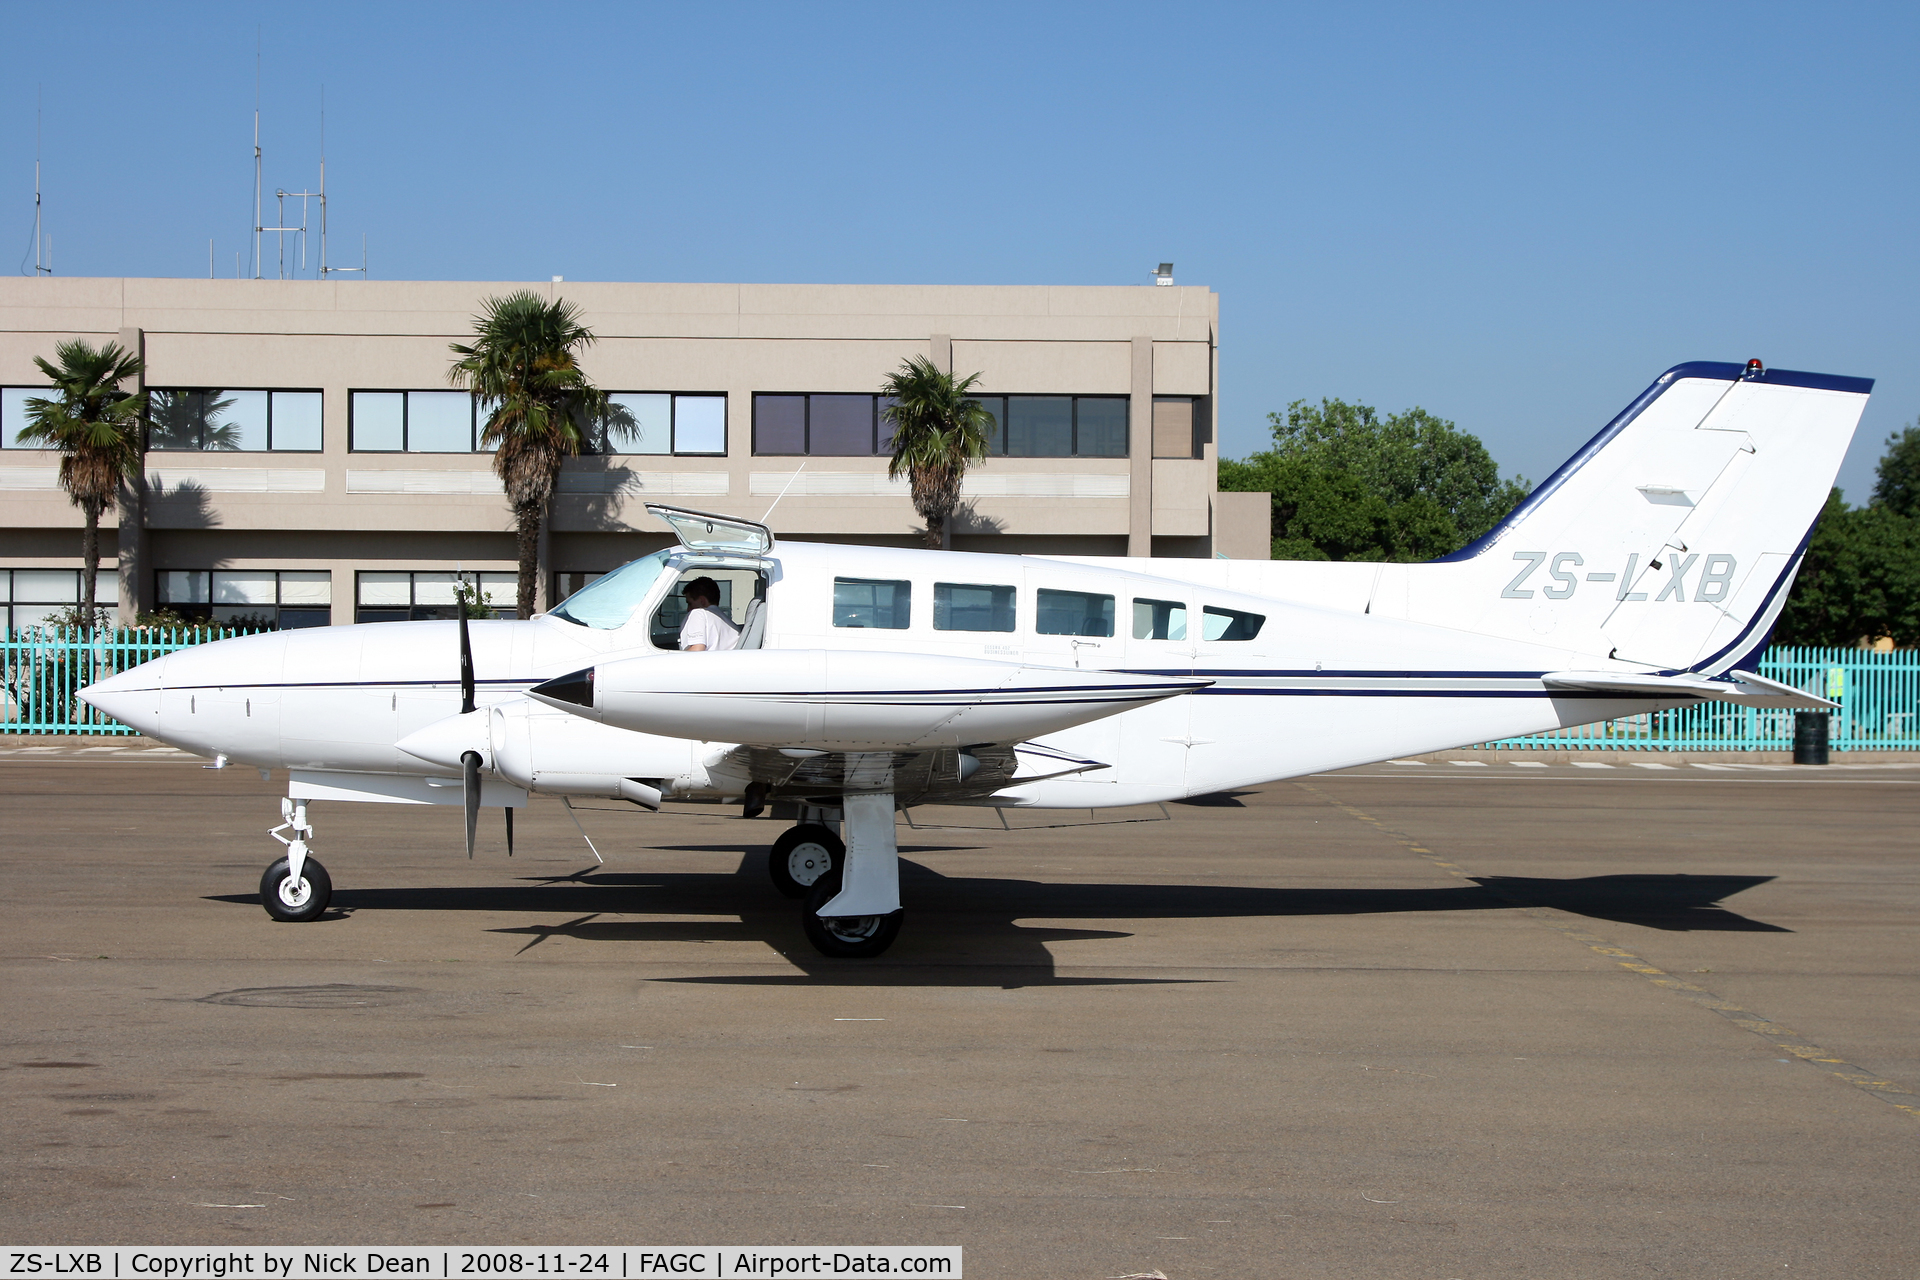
1896, 483
1860, 578
95, 426
523, 362
1348, 485
939, 431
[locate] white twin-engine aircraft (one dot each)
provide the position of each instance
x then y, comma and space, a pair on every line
1645, 573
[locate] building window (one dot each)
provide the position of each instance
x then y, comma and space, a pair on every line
416, 422
1072, 613
237, 420
972, 606
872, 602
663, 422
821, 426
1176, 426
248, 599
13, 415
414, 597
37, 597
1057, 426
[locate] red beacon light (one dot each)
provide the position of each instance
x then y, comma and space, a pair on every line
1755, 369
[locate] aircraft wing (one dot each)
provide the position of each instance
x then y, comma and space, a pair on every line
1745, 688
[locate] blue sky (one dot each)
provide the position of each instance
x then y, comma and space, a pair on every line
1515, 216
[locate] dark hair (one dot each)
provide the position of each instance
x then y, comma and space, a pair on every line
705, 587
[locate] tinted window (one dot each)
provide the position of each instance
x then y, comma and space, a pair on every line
872, 602
780, 424
1159, 620
1040, 426
840, 426
967, 606
1230, 624
1072, 613
996, 407
1101, 428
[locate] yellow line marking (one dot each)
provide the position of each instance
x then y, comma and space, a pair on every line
1780, 1036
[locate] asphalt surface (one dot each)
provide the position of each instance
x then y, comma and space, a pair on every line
1442, 1020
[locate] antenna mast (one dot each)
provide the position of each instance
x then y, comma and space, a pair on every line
42, 244
325, 269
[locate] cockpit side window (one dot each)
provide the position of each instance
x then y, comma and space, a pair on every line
608, 602
739, 588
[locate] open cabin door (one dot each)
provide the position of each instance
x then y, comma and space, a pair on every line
704, 532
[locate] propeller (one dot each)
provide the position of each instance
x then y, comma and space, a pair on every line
470, 760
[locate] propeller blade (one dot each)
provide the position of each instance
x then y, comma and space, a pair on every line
466, 666
470, 788
509, 831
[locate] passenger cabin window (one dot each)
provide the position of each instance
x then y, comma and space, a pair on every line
972, 606
1072, 613
872, 602
1159, 620
1229, 624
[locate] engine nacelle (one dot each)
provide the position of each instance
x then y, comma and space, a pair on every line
833, 700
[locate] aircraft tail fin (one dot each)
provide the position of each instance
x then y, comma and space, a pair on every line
1670, 539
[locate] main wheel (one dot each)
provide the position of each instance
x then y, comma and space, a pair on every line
293, 900
801, 856
846, 937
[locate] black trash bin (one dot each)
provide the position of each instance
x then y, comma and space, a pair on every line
1810, 737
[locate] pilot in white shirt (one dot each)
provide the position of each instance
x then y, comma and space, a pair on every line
706, 629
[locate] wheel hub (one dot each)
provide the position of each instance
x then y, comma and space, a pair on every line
294, 893
852, 928
807, 862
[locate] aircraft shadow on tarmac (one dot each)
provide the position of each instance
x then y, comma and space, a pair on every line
965, 931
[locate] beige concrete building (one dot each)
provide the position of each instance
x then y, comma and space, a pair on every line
308, 461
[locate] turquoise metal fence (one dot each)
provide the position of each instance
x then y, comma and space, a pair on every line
1878, 693
1879, 696
41, 669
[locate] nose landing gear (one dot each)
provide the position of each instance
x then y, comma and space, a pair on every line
297, 887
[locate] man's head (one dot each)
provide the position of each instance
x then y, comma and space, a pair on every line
701, 593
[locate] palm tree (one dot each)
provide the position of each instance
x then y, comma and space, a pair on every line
96, 428
939, 431
522, 365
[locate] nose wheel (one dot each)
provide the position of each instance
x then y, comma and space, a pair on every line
802, 856
297, 887
295, 898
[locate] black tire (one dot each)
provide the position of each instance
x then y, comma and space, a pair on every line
846, 937
294, 903
802, 856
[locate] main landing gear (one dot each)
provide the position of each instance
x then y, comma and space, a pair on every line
851, 890
297, 887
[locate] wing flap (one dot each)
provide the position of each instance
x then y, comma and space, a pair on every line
1745, 688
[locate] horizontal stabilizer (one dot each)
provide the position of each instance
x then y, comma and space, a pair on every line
1745, 688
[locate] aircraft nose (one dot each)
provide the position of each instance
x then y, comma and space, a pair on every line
131, 697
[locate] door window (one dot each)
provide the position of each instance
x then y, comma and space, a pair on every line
1072, 613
